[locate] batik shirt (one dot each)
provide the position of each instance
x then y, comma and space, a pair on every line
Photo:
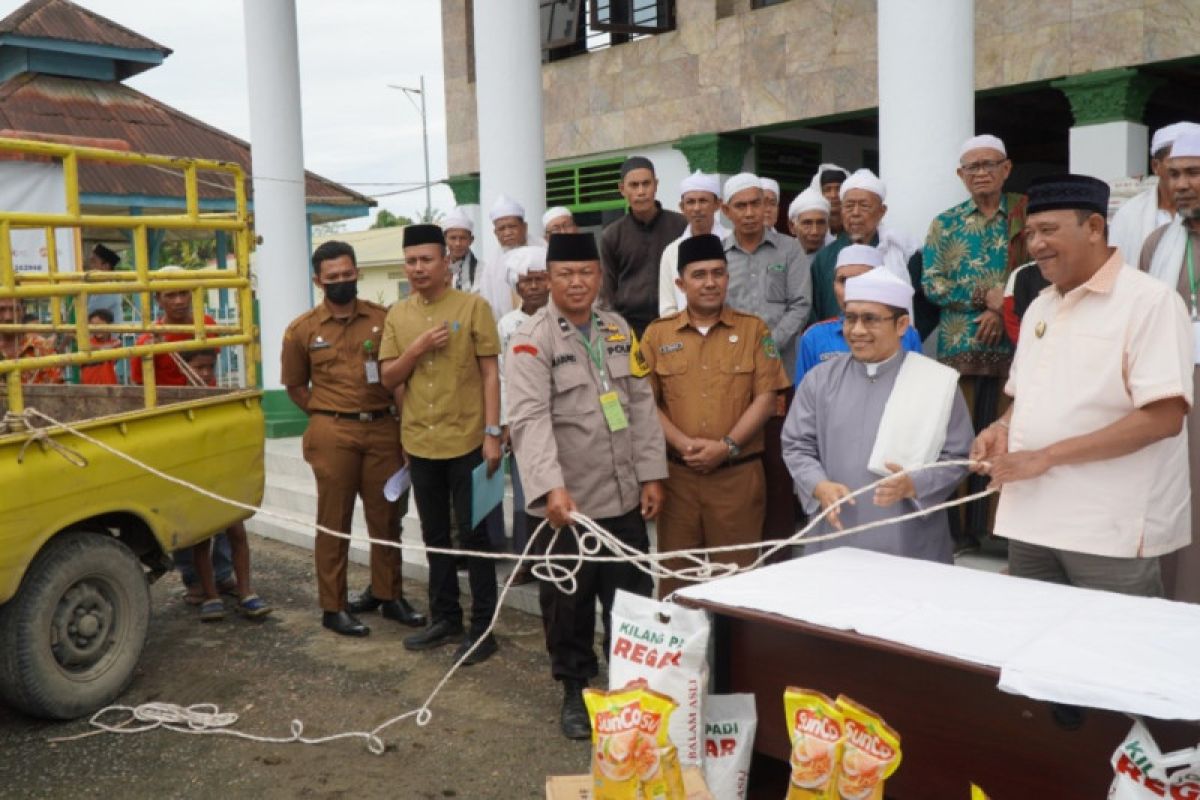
965, 256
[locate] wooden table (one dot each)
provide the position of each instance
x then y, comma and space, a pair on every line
956, 727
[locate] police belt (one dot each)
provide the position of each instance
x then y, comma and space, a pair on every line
357, 416
732, 462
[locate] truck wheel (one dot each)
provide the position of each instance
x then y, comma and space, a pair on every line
71, 637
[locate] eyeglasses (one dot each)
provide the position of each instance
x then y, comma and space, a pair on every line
982, 166
867, 320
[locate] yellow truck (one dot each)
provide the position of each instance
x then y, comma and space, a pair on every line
83, 531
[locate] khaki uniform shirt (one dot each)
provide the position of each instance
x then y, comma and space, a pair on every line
704, 383
559, 432
442, 415
331, 354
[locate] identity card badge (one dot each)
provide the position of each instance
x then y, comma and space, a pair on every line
371, 364
614, 415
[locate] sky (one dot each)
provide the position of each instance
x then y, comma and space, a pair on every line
356, 129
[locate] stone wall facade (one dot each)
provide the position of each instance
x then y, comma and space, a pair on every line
727, 67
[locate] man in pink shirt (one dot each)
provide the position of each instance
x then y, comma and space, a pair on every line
1091, 459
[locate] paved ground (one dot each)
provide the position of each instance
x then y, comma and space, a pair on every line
493, 734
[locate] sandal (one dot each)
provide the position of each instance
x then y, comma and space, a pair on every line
252, 607
212, 611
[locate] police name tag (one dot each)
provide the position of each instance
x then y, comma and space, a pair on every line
614, 415
372, 368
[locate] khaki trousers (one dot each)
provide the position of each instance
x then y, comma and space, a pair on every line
354, 459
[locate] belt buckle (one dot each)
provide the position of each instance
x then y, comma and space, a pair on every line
364, 416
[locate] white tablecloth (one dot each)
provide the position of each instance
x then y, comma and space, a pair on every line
1051, 642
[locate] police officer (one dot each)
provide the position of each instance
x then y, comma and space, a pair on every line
715, 373
586, 435
331, 371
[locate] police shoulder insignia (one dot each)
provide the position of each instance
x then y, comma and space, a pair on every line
637, 362
769, 348
525, 348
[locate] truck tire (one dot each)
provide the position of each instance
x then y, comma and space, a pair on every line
71, 637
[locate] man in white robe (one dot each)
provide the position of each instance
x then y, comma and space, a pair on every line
1151, 208
861, 416
699, 202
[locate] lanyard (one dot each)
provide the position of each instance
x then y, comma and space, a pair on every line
1192, 279
596, 352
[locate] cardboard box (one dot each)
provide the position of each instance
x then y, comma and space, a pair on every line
579, 787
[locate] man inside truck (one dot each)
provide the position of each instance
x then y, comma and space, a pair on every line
176, 309
14, 344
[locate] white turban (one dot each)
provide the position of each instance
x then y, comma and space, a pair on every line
740, 183
879, 286
769, 185
554, 213
859, 255
1166, 135
457, 218
1187, 145
808, 200
700, 182
980, 142
816, 178
521, 261
505, 206
864, 179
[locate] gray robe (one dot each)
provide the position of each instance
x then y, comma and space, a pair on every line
828, 435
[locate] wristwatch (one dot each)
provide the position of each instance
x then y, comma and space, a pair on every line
734, 450
493, 430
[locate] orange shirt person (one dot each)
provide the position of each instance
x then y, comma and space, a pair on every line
16, 345
101, 373
176, 308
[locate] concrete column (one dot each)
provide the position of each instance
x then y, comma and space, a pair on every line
926, 105
277, 149
508, 90
1108, 140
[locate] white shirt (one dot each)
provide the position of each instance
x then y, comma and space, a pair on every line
670, 299
506, 327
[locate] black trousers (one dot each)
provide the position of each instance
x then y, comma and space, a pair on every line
569, 620
436, 483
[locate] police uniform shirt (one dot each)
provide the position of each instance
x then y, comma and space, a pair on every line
560, 434
442, 415
331, 354
704, 383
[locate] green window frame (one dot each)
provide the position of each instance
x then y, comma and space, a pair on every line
587, 186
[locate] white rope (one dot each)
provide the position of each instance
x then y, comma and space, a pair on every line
561, 569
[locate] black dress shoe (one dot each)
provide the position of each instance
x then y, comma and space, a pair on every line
439, 633
364, 602
574, 717
402, 611
345, 623
486, 649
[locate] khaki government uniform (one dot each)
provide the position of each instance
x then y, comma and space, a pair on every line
703, 384
352, 442
441, 428
561, 439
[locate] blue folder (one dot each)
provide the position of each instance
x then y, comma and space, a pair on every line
486, 493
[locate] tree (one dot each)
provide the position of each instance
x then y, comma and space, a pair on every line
386, 219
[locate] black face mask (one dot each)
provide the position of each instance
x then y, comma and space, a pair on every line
341, 293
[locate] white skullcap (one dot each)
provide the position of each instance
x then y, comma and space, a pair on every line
808, 200
700, 182
859, 255
864, 179
457, 218
555, 213
879, 286
1168, 134
505, 206
740, 183
816, 178
980, 142
769, 185
1187, 145
521, 261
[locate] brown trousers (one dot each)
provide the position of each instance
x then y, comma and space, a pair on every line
351, 458
721, 508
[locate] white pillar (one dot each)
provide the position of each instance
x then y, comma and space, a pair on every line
926, 105
508, 91
1109, 150
277, 149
